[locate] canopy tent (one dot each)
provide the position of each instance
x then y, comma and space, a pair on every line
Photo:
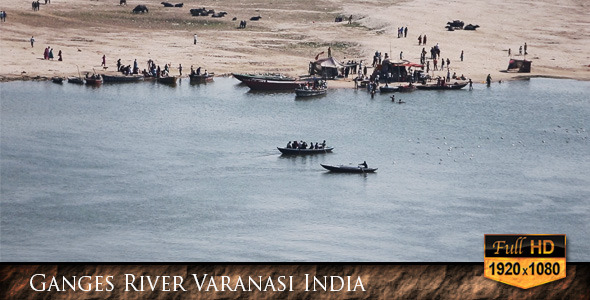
395, 71
327, 67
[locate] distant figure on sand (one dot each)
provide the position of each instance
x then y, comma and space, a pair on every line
329, 51
350, 19
461, 56
32, 41
195, 39
59, 58
104, 60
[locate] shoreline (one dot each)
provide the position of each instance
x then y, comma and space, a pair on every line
287, 37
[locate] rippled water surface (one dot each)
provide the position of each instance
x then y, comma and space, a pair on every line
149, 172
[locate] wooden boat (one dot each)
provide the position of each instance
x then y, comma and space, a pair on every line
348, 169
303, 92
293, 151
201, 78
271, 85
407, 88
436, 87
95, 79
274, 77
76, 80
122, 78
57, 79
388, 89
167, 79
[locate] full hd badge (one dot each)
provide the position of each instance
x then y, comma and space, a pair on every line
525, 260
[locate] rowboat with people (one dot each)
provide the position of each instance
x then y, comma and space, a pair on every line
295, 151
310, 89
94, 79
348, 168
201, 78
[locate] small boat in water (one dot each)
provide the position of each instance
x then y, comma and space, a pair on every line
274, 77
76, 80
295, 151
271, 85
95, 79
438, 87
388, 89
348, 169
318, 87
122, 78
201, 78
167, 79
57, 79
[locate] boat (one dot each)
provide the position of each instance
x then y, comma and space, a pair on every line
407, 88
167, 79
295, 151
57, 79
121, 78
348, 169
95, 79
318, 87
201, 78
275, 77
271, 85
76, 80
436, 87
388, 89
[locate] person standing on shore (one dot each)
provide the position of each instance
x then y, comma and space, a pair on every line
520, 50
32, 41
489, 80
448, 62
406, 32
525, 52
180, 69
442, 64
461, 55
509, 52
195, 39
59, 58
329, 51
51, 53
470, 85
104, 61
419, 40
424, 40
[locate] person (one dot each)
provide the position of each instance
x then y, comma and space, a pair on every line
32, 41
401, 55
51, 53
424, 40
470, 84
419, 40
350, 19
448, 62
104, 61
461, 56
289, 144
180, 69
509, 52
364, 164
195, 39
59, 56
520, 50
392, 98
489, 80
406, 31
525, 52
119, 64
329, 51
324, 144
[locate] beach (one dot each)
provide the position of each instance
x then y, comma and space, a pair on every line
290, 34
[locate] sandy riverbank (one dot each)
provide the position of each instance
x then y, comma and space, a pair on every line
291, 33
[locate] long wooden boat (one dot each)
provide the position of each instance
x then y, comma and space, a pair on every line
274, 77
201, 78
95, 79
388, 89
271, 85
76, 80
436, 87
122, 78
407, 88
167, 79
303, 92
348, 169
293, 151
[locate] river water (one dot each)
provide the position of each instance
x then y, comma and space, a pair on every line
149, 172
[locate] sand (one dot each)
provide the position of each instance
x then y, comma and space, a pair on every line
291, 33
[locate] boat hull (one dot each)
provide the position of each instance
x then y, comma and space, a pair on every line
348, 169
76, 80
271, 85
310, 93
291, 151
121, 78
201, 78
167, 80
276, 77
388, 89
441, 87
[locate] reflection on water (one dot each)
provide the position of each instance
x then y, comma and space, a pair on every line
146, 172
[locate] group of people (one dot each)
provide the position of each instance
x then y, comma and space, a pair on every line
402, 32
197, 71
242, 24
303, 145
3, 16
35, 5
421, 40
48, 53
